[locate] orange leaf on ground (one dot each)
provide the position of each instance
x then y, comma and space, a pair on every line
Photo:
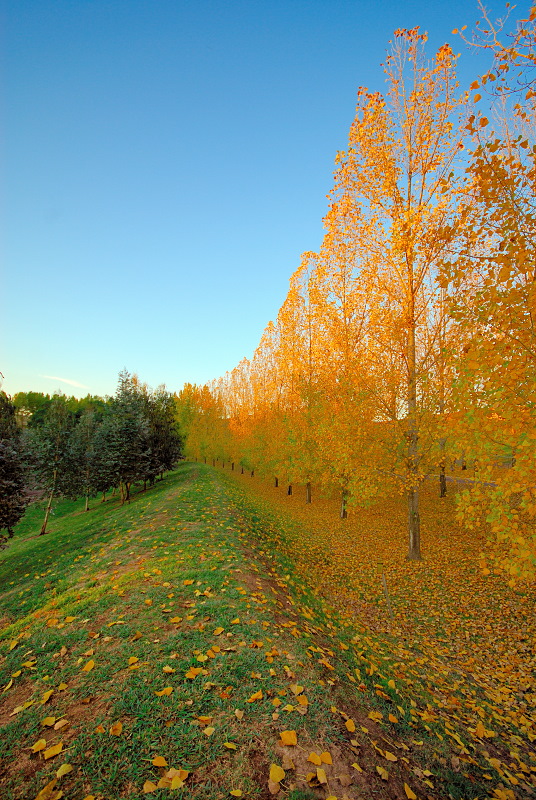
289, 737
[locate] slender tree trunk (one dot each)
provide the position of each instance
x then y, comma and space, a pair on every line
414, 528
242, 471
252, 473
87, 502
442, 481
103, 497
276, 482
49, 504
344, 512
232, 466
308, 492
289, 490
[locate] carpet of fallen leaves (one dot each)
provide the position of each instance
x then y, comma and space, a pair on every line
460, 642
217, 638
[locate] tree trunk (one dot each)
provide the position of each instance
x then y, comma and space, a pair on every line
414, 548
49, 506
442, 481
308, 492
103, 497
289, 490
252, 473
276, 482
87, 502
232, 466
242, 471
344, 512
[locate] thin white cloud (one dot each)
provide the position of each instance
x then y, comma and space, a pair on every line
66, 380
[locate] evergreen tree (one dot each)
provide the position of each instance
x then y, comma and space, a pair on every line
12, 497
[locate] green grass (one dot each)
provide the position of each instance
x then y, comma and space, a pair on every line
104, 587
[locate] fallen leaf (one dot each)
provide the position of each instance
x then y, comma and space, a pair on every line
326, 758
61, 723
276, 773
239, 714
209, 731
166, 691
257, 696
375, 715
410, 794
350, 725
392, 718
64, 770
230, 745
390, 756
53, 751
48, 721
314, 758
39, 745
167, 669
46, 696
321, 775
236, 792
289, 738
384, 775
149, 786
116, 729
159, 761
217, 632
89, 666
100, 729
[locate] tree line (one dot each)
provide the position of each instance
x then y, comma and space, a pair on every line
408, 342
64, 447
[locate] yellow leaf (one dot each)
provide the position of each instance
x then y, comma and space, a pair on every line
62, 687
326, 758
133, 660
149, 786
356, 766
230, 745
53, 751
48, 721
46, 696
289, 737
209, 731
384, 775
236, 792
217, 632
60, 724
89, 666
256, 696
136, 636
187, 582
390, 756
235, 621
314, 758
321, 775
64, 770
12, 645
392, 718
100, 729
276, 773
116, 729
410, 794
159, 761
39, 745
391, 684
350, 725
296, 689
375, 715
166, 691
480, 730
239, 713
176, 619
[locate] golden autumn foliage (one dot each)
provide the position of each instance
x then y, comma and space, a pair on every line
406, 344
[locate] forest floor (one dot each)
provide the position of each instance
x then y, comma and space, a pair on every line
217, 638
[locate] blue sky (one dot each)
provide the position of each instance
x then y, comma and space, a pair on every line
165, 165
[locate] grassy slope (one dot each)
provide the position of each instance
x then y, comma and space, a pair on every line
137, 593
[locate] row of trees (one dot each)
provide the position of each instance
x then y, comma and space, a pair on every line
76, 449
408, 340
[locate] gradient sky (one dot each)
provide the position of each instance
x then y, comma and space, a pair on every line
165, 163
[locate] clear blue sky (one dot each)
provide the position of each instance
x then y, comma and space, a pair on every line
165, 163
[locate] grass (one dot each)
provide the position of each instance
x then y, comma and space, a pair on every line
204, 571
